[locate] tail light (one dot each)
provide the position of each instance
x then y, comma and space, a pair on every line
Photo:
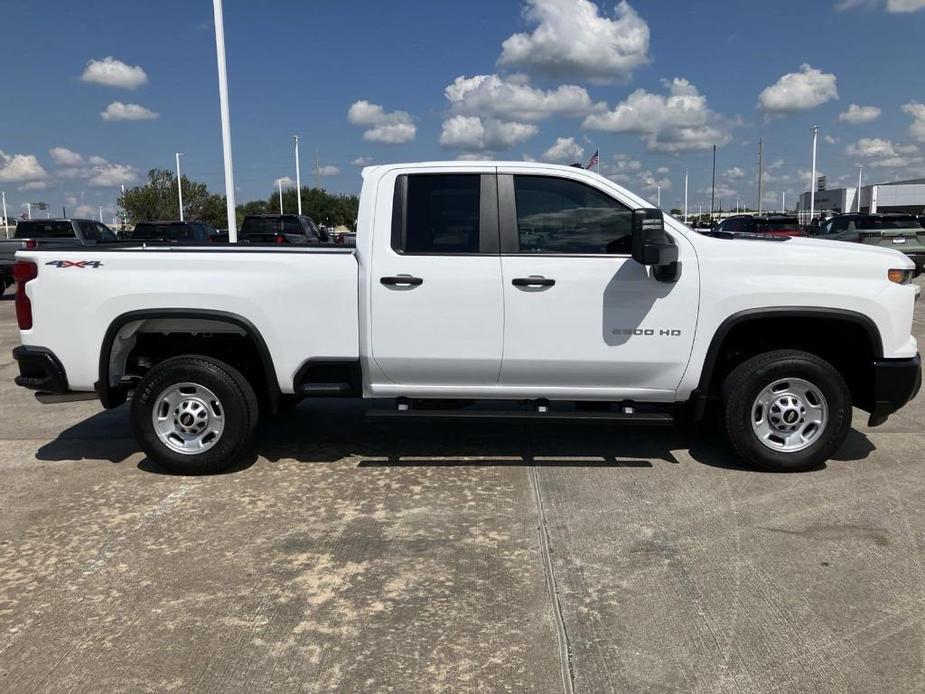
30, 244
23, 272
280, 239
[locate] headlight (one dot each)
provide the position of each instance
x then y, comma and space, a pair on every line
899, 276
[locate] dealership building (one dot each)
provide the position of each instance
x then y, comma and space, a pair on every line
899, 196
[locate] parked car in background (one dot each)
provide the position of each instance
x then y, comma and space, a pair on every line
176, 231
49, 233
901, 232
764, 225
296, 229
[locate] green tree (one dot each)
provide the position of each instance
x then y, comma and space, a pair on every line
156, 199
318, 204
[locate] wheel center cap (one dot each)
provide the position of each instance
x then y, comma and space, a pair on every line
791, 416
186, 419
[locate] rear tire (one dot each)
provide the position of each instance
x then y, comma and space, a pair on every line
786, 411
194, 415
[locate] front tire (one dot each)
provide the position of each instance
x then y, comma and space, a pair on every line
194, 415
786, 411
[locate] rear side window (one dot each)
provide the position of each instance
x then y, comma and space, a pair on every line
439, 214
260, 225
560, 216
765, 225
36, 229
732, 225
292, 225
89, 231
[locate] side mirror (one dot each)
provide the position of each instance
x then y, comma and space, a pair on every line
650, 244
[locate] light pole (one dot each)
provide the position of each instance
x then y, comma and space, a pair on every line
658, 197
812, 182
685, 196
29, 208
279, 182
179, 185
860, 175
6, 221
226, 118
783, 201
100, 207
298, 176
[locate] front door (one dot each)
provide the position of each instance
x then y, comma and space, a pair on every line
582, 318
435, 283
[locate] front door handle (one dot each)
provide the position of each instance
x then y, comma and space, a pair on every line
401, 281
532, 281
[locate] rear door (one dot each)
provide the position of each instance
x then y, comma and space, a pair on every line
435, 282
582, 318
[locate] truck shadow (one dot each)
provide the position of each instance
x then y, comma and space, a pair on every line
329, 431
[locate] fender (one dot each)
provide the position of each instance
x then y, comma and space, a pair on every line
113, 397
709, 364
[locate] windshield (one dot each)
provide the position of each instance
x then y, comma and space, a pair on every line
785, 224
151, 232
260, 225
895, 223
44, 230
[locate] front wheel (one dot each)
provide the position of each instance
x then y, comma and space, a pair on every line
786, 411
194, 415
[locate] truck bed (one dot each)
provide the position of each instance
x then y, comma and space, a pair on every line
301, 300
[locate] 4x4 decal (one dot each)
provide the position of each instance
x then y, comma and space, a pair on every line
75, 263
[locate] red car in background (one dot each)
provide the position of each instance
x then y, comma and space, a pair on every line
762, 225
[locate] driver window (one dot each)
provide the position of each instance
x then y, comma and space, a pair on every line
561, 216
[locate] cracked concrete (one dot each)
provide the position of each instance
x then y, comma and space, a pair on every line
361, 556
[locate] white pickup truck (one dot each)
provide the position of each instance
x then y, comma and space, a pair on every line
480, 289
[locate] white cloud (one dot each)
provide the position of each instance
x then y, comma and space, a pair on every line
917, 111
829, 140
893, 6
904, 5
856, 115
798, 91
565, 149
734, 172
513, 99
677, 122
286, 181
34, 185
362, 161
881, 154
477, 134
111, 175
114, 73
86, 212
120, 111
62, 156
393, 128
20, 167
94, 169
571, 38
328, 170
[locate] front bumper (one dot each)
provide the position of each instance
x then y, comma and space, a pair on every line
895, 382
40, 369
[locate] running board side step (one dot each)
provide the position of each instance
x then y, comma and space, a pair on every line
650, 418
315, 390
69, 396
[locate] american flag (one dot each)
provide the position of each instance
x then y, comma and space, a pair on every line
595, 158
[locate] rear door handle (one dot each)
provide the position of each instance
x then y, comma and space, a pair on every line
401, 281
532, 281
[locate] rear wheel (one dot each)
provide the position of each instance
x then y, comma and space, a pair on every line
786, 410
194, 415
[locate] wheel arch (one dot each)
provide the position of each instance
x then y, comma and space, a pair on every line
113, 396
764, 318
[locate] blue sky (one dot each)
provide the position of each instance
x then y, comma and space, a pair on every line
652, 83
